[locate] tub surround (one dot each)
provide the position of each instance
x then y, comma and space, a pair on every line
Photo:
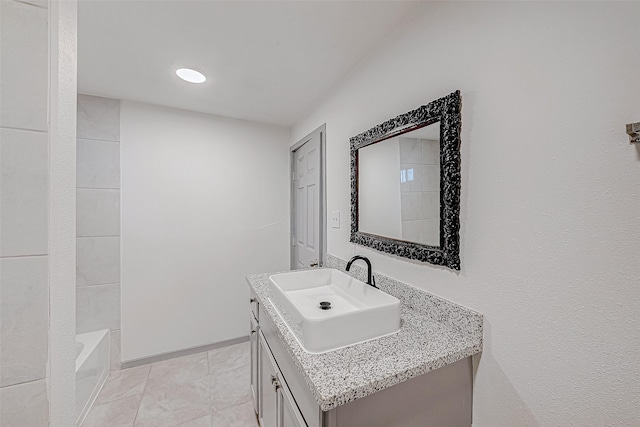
98, 219
92, 369
24, 214
434, 333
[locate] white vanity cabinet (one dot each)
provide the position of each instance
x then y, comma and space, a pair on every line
272, 399
268, 388
254, 337
277, 406
442, 397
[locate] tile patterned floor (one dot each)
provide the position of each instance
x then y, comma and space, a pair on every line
208, 389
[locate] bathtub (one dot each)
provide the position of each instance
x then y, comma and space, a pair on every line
92, 369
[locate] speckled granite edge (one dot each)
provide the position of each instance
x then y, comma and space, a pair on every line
341, 376
467, 321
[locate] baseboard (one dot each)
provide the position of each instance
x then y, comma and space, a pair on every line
180, 353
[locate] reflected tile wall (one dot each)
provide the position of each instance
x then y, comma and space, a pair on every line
420, 190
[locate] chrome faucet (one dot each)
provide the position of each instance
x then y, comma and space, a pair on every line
370, 279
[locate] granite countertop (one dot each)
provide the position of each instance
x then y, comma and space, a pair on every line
433, 333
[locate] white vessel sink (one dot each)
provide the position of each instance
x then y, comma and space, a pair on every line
358, 312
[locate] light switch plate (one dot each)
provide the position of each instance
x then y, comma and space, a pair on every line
335, 219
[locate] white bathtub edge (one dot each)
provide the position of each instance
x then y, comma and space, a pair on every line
91, 340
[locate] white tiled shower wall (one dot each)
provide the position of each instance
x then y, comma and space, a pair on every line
24, 296
98, 219
420, 190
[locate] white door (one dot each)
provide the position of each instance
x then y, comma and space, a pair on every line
307, 204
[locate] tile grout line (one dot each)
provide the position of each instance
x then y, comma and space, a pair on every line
114, 400
24, 129
97, 284
31, 4
93, 286
23, 256
97, 188
24, 382
96, 139
144, 390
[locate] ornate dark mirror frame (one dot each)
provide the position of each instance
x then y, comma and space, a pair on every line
445, 110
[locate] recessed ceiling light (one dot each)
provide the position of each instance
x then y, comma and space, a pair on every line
190, 75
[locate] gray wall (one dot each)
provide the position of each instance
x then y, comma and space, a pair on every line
98, 219
24, 299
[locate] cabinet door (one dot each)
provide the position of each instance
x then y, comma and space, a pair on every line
255, 363
288, 411
268, 396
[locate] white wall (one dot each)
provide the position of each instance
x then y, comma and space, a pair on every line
379, 189
205, 201
550, 198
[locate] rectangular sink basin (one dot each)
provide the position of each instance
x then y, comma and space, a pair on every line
358, 312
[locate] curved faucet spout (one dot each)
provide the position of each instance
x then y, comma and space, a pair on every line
370, 280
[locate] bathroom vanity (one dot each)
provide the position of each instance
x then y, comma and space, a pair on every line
420, 375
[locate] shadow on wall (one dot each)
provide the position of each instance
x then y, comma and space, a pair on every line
517, 413
468, 107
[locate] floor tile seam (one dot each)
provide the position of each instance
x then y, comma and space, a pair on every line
123, 372
192, 419
121, 376
230, 407
144, 390
116, 400
209, 395
169, 384
230, 369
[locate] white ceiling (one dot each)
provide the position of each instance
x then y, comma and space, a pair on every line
265, 61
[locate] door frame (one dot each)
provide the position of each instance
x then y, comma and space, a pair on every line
321, 131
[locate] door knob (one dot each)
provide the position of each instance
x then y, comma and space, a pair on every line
313, 264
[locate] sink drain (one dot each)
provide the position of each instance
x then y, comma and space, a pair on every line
325, 305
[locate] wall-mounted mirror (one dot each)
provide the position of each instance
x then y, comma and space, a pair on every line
405, 184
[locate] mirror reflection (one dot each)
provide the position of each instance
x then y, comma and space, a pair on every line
399, 187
